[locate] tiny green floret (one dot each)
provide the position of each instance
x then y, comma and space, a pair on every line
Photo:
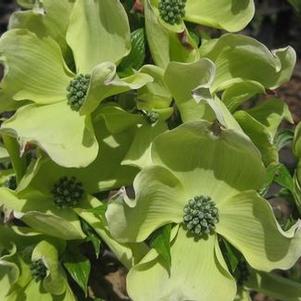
11, 183
38, 270
77, 91
151, 116
67, 192
200, 216
172, 11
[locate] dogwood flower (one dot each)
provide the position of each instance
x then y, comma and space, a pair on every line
204, 181
64, 96
30, 266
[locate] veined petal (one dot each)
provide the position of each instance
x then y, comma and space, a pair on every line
51, 18
63, 134
225, 14
35, 68
213, 162
159, 200
248, 223
99, 31
104, 173
198, 275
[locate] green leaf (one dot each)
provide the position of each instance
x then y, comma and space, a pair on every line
92, 236
160, 241
137, 55
78, 267
98, 32
231, 256
297, 141
284, 178
284, 138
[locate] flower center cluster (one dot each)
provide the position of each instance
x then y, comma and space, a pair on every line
77, 91
200, 216
67, 192
38, 270
172, 11
151, 116
11, 183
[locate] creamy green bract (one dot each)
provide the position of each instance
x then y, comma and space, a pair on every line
225, 166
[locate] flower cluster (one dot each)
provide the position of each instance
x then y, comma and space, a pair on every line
200, 216
38, 270
172, 11
77, 91
67, 192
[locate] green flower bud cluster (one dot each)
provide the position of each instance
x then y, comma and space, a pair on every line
11, 183
67, 192
172, 11
77, 91
151, 116
200, 216
242, 273
38, 270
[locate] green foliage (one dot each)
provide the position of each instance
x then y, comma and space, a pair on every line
78, 267
160, 241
